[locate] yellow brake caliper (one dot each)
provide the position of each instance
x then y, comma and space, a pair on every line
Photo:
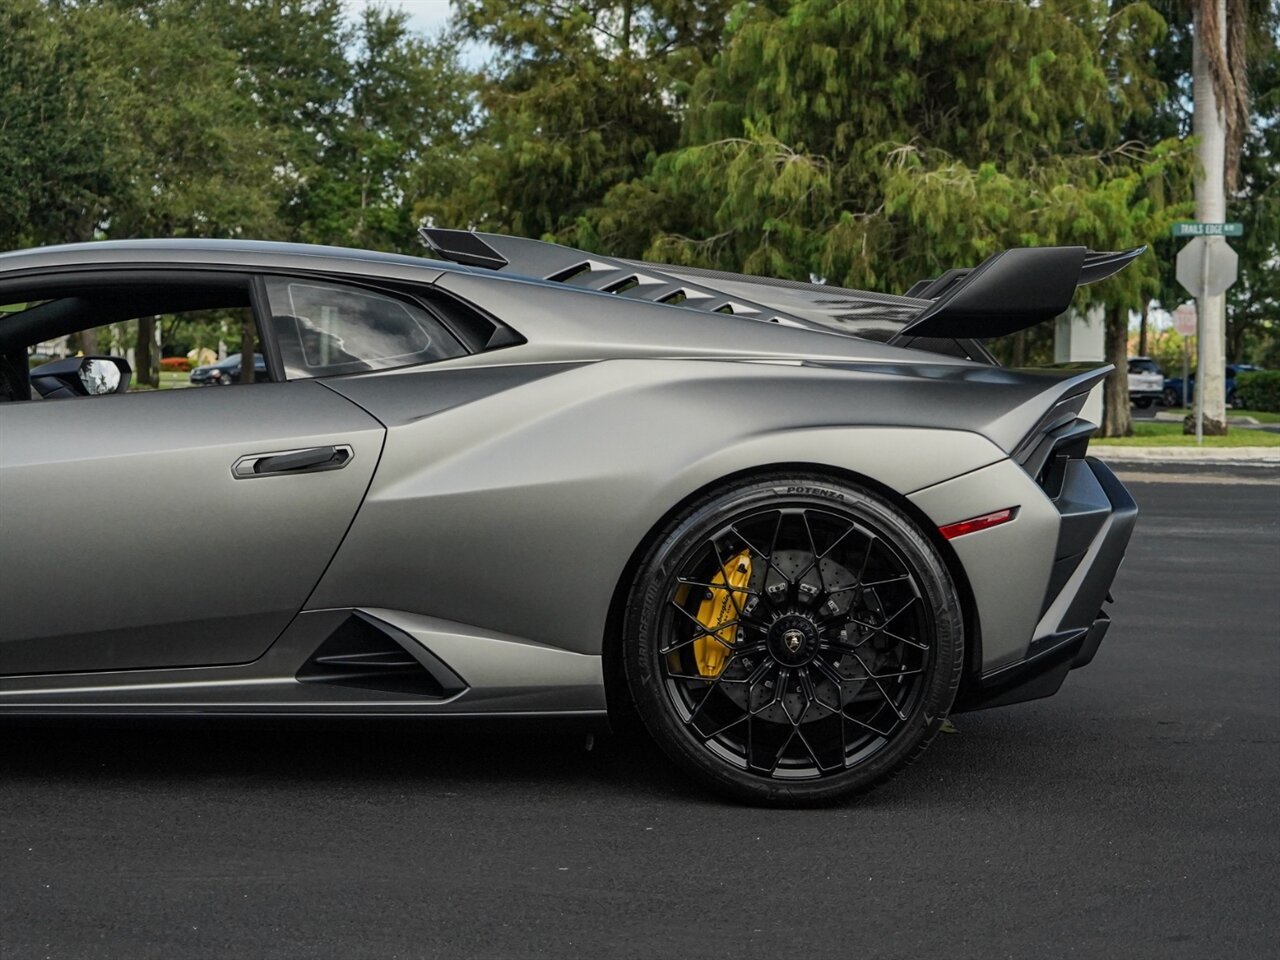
719, 608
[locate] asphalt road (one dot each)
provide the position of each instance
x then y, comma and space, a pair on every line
1133, 815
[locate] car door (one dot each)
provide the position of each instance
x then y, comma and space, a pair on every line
173, 528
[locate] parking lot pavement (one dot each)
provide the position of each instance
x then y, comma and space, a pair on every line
1134, 814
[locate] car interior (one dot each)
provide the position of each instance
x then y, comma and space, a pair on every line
84, 302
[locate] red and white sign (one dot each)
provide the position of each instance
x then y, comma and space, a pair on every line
1184, 319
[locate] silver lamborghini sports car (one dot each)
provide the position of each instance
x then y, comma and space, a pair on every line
785, 528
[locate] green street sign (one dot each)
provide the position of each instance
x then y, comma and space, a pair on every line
1193, 228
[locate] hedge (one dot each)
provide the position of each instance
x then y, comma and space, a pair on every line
1259, 390
180, 364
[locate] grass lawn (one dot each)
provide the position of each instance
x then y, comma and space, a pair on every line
1262, 416
1149, 434
169, 380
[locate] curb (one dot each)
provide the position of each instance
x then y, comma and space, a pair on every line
1236, 456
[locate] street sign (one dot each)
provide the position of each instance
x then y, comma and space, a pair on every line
1194, 228
1184, 319
1215, 276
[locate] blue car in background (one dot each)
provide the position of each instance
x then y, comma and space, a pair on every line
1173, 386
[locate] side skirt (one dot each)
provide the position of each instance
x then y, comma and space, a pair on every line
366, 662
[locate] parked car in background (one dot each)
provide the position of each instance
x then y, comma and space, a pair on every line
1146, 381
228, 371
1173, 385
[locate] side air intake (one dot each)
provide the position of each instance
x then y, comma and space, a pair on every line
365, 652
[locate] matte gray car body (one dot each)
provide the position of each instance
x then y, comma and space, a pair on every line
495, 503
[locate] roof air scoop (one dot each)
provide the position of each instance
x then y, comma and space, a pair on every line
462, 246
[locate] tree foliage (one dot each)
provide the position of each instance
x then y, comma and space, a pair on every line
1253, 314
873, 144
56, 172
578, 98
267, 118
864, 143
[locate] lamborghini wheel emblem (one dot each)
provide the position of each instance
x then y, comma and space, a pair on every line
794, 640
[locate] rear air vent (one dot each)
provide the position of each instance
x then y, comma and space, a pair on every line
1047, 462
564, 276
365, 652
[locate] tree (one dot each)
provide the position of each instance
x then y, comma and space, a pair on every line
400, 126
56, 170
577, 100
1253, 317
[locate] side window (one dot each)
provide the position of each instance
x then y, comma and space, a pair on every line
191, 332
324, 329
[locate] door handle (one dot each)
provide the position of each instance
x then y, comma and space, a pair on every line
285, 462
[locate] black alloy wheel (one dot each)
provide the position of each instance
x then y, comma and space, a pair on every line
793, 640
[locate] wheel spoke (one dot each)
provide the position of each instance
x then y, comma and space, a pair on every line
777, 759
838, 540
685, 581
722, 729
711, 690
813, 552
887, 699
703, 629
880, 583
866, 726
766, 557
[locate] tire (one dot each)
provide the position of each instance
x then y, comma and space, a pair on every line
848, 589
1172, 398
1142, 403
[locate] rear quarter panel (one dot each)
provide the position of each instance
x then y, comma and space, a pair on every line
513, 498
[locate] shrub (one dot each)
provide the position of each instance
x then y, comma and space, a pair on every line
1259, 390
176, 364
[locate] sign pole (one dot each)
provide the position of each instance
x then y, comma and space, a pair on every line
1202, 308
1186, 369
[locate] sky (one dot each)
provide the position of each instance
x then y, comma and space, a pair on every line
426, 16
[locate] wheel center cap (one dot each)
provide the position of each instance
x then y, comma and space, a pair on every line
793, 640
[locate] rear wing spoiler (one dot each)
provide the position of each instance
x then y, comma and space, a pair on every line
1009, 291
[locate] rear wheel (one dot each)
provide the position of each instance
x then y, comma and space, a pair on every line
793, 640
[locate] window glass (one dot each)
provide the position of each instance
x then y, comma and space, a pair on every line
325, 329
167, 338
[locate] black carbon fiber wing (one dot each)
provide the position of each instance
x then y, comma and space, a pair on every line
1010, 291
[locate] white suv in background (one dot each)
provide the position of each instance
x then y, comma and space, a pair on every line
1146, 381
